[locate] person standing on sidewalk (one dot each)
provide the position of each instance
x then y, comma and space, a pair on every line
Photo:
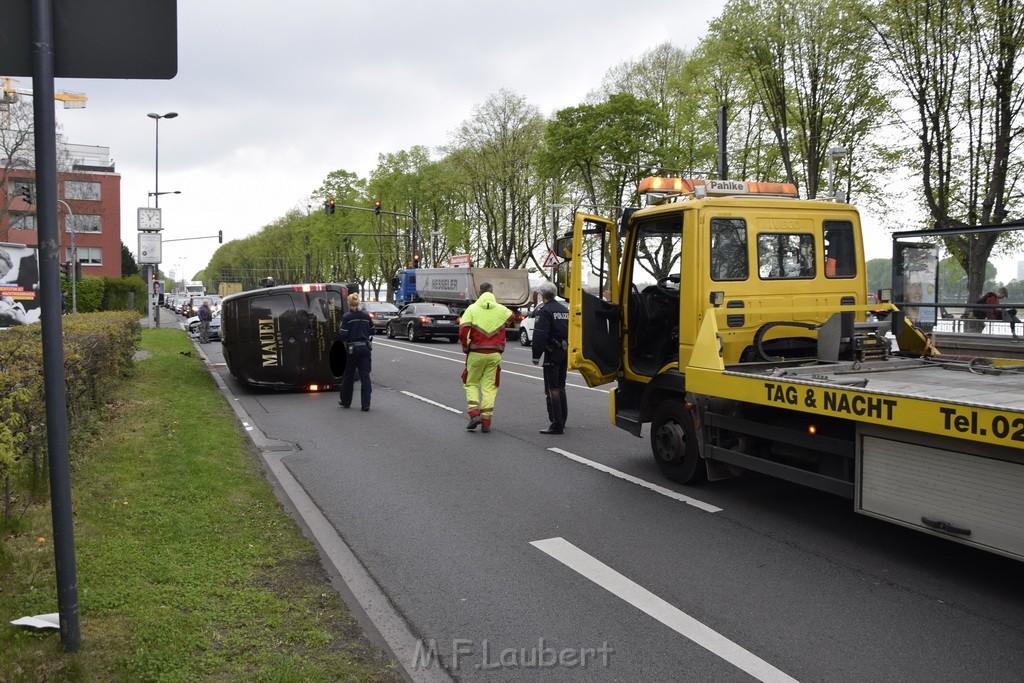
551, 339
356, 331
482, 333
205, 316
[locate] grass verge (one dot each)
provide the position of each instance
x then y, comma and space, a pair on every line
188, 567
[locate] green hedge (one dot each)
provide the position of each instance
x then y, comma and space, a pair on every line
108, 294
98, 351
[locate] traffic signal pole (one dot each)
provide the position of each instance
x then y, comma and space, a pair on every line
330, 205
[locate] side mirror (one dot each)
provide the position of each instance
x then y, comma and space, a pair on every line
563, 247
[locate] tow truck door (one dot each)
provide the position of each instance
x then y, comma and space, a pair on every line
595, 318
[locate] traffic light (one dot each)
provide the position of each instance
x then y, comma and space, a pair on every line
376, 207
65, 270
327, 208
415, 260
220, 237
330, 207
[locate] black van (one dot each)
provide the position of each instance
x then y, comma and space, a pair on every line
285, 337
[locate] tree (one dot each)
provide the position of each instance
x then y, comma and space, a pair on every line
959, 67
809, 65
494, 153
16, 152
601, 151
128, 265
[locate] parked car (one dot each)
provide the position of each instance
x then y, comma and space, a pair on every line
529, 322
526, 327
424, 321
381, 312
193, 303
192, 327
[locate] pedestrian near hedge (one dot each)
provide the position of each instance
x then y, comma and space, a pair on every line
551, 340
482, 333
205, 316
356, 332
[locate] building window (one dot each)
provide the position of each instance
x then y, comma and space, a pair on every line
90, 256
25, 188
83, 223
23, 221
76, 189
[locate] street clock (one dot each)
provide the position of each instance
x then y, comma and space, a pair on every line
149, 218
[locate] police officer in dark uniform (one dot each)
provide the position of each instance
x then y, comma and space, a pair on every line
356, 330
551, 338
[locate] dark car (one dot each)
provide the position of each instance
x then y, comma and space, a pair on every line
381, 312
424, 321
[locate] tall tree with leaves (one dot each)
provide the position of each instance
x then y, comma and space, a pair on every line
494, 153
602, 150
809, 65
960, 66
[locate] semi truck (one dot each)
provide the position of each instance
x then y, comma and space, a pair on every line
457, 288
733, 319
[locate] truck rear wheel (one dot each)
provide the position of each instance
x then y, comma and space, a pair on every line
674, 443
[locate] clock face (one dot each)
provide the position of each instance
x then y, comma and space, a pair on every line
149, 219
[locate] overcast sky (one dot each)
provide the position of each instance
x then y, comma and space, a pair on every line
271, 97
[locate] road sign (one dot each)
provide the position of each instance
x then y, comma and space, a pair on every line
150, 248
459, 260
551, 261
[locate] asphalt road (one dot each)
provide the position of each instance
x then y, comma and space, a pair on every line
511, 560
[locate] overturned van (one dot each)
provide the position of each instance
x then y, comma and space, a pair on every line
285, 337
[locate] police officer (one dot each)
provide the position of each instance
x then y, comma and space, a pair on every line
355, 331
551, 338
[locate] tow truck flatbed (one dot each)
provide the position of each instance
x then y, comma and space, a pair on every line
976, 383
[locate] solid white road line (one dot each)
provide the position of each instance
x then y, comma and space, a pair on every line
433, 403
649, 603
706, 507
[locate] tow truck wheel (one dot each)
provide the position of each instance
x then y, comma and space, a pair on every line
674, 443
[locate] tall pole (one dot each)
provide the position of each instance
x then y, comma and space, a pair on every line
74, 257
154, 311
54, 389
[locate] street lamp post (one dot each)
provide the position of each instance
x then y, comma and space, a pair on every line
832, 154
157, 194
74, 256
155, 310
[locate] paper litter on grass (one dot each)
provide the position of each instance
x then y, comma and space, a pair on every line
51, 620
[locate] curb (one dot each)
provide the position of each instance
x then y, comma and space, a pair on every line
370, 606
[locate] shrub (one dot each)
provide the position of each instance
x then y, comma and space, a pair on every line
116, 293
89, 294
98, 351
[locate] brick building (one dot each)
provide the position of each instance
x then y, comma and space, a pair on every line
93, 192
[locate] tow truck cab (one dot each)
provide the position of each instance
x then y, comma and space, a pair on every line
773, 267
743, 247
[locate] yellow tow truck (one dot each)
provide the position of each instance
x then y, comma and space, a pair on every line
733, 317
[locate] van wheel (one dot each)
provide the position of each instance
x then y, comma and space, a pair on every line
391, 332
524, 339
674, 443
411, 332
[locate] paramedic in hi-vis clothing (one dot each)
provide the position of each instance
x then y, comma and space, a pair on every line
482, 333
